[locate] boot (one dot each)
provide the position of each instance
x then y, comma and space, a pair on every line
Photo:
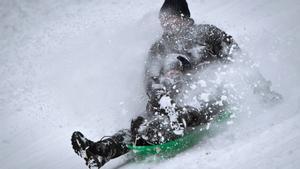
96, 154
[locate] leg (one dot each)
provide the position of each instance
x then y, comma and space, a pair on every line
96, 154
172, 122
168, 125
195, 117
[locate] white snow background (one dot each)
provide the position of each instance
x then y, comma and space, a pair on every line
78, 65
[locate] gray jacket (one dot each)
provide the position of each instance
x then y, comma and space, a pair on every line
186, 51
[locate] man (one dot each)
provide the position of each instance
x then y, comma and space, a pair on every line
184, 48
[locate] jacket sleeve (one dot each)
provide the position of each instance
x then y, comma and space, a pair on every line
153, 68
260, 85
218, 43
223, 46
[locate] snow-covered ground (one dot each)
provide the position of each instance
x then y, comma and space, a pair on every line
78, 65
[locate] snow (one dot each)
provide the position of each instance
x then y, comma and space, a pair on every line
202, 83
165, 102
205, 97
66, 65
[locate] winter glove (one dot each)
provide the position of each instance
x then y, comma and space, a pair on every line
267, 95
271, 97
158, 90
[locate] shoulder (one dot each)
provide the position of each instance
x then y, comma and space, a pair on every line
157, 44
207, 28
157, 47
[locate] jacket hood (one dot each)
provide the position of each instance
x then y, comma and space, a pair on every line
175, 7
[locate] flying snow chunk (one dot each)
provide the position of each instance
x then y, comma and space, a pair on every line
223, 97
230, 122
202, 83
193, 86
178, 132
207, 126
205, 97
165, 101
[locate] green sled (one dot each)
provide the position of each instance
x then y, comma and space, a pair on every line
173, 147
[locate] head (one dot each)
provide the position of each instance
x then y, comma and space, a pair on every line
175, 15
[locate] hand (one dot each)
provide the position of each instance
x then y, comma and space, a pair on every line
157, 93
154, 97
271, 97
267, 95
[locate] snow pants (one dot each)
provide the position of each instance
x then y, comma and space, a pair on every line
160, 128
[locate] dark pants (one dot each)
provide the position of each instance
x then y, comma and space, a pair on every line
150, 129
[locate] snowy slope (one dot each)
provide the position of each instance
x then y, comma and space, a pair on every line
78, 65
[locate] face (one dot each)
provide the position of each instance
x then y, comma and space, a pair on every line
173, 23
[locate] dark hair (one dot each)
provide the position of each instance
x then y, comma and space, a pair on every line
175, 7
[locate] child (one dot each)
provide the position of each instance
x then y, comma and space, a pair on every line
184, 48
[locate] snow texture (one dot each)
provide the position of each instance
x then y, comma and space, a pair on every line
78, 65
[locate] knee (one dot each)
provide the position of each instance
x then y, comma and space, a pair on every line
135, 124
192, 116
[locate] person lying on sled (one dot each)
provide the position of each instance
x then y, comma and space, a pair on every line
184, 48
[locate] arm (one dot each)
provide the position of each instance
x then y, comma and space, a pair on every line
260, 85
223, 46
154, 65
219, 44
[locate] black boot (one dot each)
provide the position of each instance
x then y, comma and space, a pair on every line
96, 154
82, 147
